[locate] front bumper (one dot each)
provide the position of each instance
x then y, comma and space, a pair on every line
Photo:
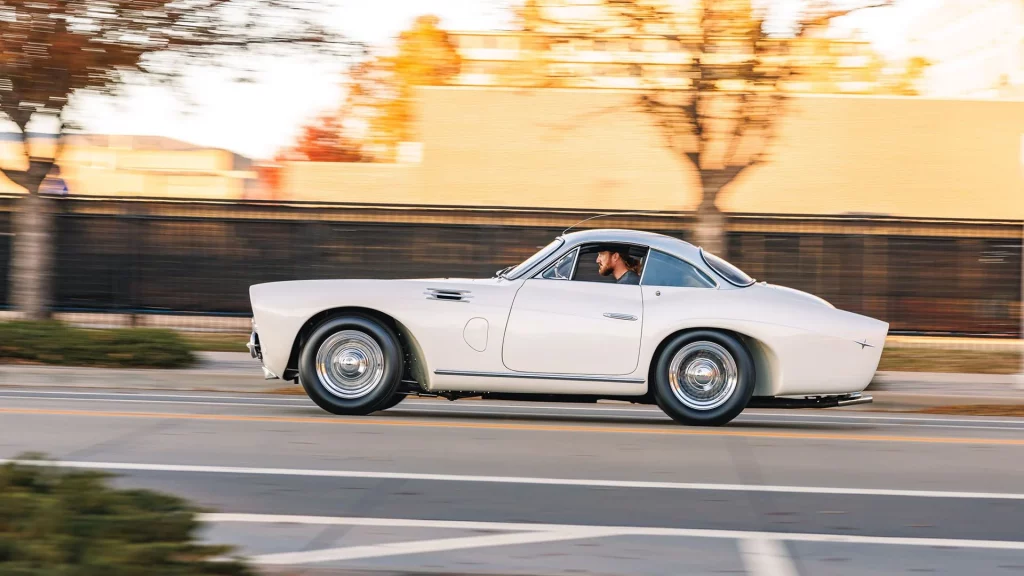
254, 346
256, 352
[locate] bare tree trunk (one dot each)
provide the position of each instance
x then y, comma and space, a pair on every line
710, 230
32, 257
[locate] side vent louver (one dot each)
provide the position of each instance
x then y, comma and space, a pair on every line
447, 294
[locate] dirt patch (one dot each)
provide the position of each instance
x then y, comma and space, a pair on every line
294, 390
1016, 410
217, 341
949, 361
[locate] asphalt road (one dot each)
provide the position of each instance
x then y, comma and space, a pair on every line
476, 487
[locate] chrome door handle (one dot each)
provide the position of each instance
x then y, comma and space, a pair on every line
617, 316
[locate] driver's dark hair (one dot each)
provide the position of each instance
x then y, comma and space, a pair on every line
631, 262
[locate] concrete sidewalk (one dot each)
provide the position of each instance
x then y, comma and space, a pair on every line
217, 371
239, 373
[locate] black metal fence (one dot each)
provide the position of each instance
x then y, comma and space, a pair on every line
148, 256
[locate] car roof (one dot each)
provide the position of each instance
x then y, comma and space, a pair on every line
661, 242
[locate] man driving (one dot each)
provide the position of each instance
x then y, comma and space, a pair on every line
615, 260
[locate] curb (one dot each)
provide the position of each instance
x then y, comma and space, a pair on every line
908, 402
138, 379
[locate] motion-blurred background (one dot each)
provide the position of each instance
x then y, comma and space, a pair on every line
177, 152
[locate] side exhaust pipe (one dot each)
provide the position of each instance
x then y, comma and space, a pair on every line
855, 399
810, 402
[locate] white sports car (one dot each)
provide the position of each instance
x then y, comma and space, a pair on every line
596, 314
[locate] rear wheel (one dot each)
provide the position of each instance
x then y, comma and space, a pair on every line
351, 365
704, 378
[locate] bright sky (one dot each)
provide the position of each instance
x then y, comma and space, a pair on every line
256, 119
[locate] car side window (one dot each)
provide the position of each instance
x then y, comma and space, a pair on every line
562, 269
588, 270
669, 271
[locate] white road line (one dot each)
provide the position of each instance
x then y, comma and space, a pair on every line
764, 557
418, 547
604, 531
125, 466
215, 517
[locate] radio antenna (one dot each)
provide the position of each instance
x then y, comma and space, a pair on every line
610, 214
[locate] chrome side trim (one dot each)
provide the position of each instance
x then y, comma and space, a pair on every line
618, 316
539, 376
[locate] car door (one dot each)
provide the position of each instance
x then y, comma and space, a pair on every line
567, 323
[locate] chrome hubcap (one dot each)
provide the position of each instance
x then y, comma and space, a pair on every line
350, 364
703, 375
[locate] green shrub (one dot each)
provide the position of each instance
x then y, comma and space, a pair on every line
60, 344
59, 523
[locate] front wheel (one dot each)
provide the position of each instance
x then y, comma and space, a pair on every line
351, 365
704, 378
392, 402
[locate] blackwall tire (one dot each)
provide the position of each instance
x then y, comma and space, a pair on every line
351, 365
392, 402
704, 378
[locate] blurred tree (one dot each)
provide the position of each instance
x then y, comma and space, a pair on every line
49, 49
899, 78
383, 88
381, 96
325, 140
722, 120
912, 73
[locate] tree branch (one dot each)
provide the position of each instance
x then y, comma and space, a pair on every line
61, 141
176, 42
827, 16
16, 176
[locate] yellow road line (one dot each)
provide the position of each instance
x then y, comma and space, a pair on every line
370, 421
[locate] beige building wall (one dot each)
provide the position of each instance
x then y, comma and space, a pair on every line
834, 155
105, 168
589, 149
892, 156
355, 182
546, 148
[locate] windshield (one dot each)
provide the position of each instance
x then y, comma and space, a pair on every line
533, 260
726, 270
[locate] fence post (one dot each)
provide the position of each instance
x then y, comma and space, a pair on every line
874, 290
